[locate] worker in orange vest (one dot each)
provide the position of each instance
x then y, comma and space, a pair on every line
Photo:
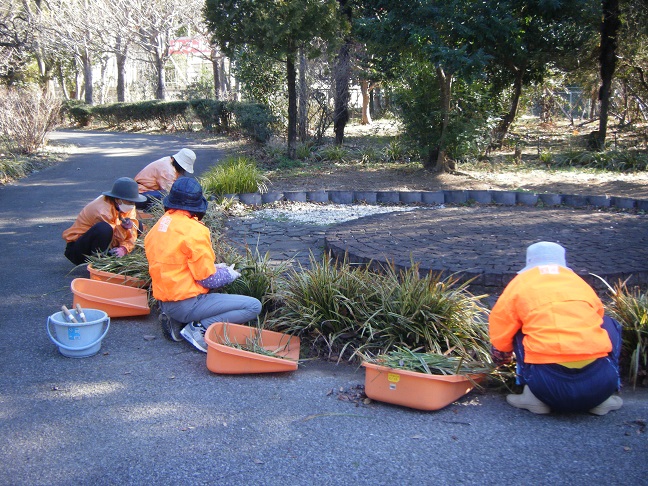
183, 270
107, 224
566, 348
155, 180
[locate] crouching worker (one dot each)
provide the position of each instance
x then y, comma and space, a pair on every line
107, 224
566, 349
155, 180
181, 264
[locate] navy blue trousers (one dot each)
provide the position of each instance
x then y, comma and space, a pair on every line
573, 389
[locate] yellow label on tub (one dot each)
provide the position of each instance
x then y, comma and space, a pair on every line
393, 377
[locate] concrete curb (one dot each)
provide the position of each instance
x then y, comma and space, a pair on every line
482, 197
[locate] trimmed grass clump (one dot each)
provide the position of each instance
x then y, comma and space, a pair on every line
429, 363
630, 308
234, 175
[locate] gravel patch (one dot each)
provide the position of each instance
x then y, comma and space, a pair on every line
322, 214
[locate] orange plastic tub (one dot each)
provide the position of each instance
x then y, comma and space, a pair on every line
114, 299
225, 359
416, 390
115, 278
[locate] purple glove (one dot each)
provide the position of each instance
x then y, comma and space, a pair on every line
119, 251
126, 223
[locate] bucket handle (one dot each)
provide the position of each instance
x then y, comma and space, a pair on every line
83, 348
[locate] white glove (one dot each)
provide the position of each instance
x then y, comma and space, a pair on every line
230, 269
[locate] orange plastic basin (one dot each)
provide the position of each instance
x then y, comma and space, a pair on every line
416, 390
115, 278
225, 359
114, 299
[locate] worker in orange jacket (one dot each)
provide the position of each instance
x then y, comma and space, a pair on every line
566, 348
155, 180
107, 224
183, 270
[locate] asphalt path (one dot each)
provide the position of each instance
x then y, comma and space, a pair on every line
148, 411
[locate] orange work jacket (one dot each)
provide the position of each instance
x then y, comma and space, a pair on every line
559, 314
103, 209
157, 176
179, 252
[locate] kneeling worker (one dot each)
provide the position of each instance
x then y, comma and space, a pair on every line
183, 270
566, 349
155, 180
106, 224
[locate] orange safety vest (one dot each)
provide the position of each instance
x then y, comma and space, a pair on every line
157, 176
179, 252
103, 209
559, 314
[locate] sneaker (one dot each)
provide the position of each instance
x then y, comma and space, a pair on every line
528, 401
613, 402
170, 327
195, 334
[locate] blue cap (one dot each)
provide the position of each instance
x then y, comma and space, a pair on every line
186, 194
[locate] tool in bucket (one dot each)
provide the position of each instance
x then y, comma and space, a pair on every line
68, 314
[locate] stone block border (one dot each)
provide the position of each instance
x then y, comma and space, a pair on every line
503, 198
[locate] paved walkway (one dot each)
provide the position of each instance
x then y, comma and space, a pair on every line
483, 242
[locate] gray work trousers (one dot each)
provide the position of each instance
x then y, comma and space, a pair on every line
213, 307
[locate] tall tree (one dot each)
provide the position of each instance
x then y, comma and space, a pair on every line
276, 28
524, 39
608, 58
342, 78
438, 35
156, 24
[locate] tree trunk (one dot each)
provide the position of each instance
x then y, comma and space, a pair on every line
607, 59
215, 62
121, 77
342, 77
160, 93
61, 77
303, 98
225, 86
87, 76
292, 104
366, 99
437, 159
499, 133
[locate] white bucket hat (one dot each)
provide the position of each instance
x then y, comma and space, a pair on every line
185, 159
544, 253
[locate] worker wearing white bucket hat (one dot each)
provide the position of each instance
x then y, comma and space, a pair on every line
566, 348
106, 224
155, 180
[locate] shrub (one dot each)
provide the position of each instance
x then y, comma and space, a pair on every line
78, 112
26, 116
234, 175
254, 120
212, 114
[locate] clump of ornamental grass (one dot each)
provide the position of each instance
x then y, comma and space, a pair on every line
324, 304
630, 308
355, 311
234, 175
259, 275
435, 314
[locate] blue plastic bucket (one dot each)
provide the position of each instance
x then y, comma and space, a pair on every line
78, 339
